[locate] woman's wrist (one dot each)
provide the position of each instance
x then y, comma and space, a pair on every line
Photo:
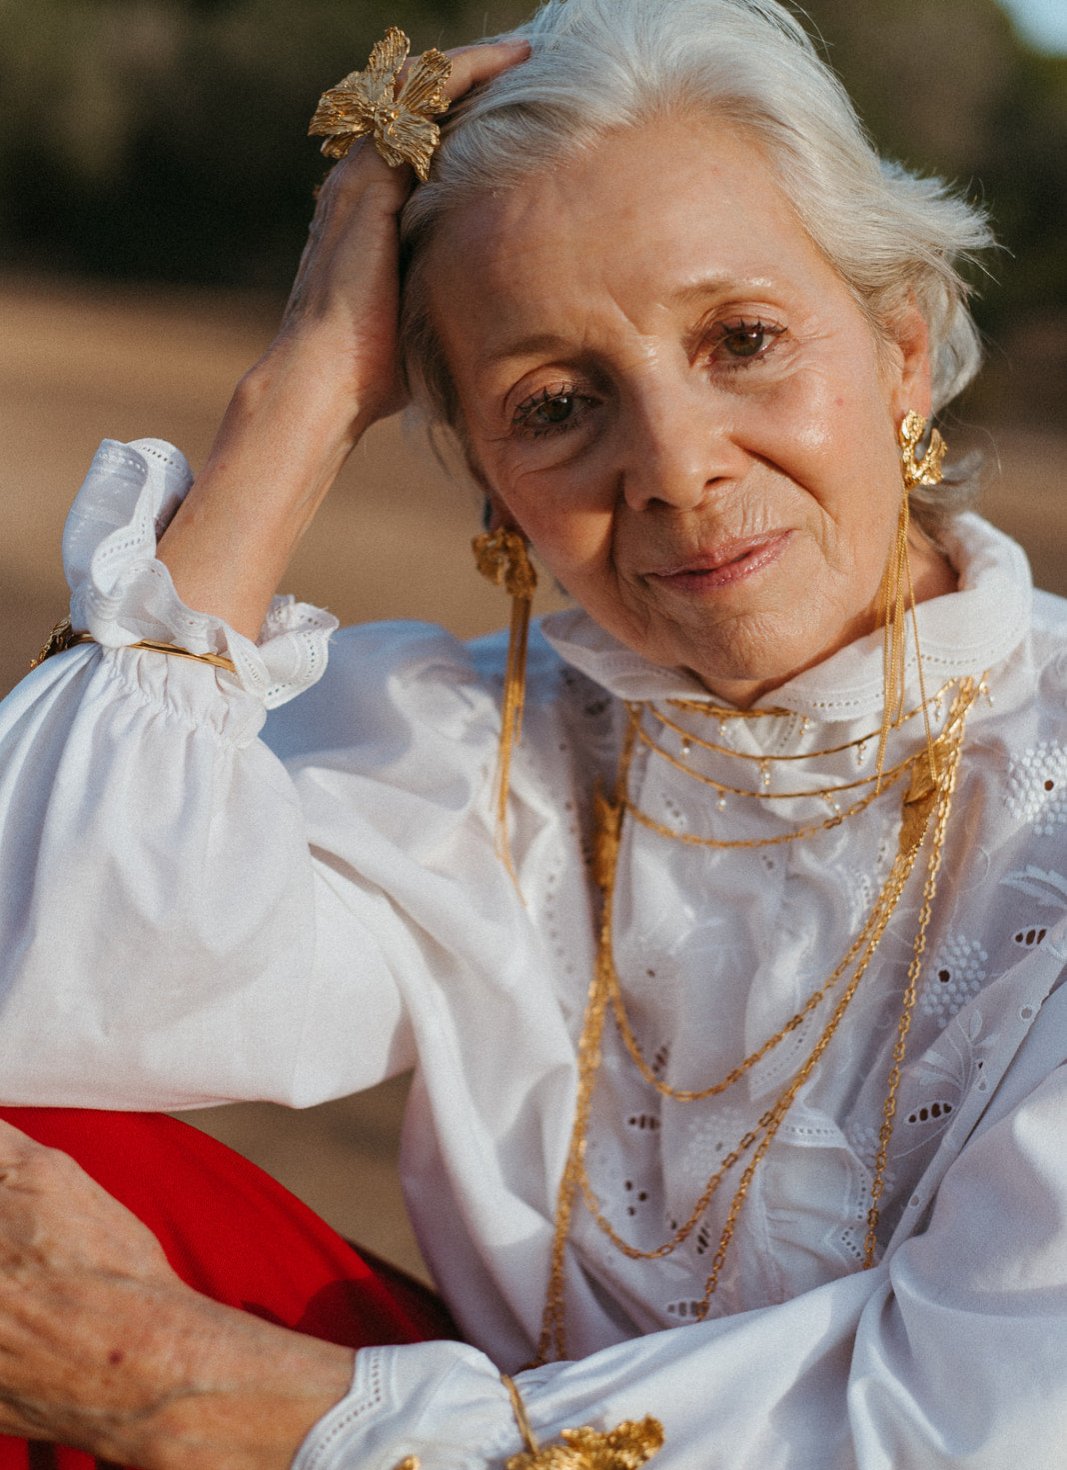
309, 380
225, 1391
286, 434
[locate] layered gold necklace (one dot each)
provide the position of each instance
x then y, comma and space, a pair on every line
928, 779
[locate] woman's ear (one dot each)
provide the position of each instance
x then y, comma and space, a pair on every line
911, 370
494, 512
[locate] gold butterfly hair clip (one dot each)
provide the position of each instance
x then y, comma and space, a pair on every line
368, 102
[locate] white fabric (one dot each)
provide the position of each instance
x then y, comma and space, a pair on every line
190, 913
121, 594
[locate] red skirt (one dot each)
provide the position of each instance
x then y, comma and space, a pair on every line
234, 1234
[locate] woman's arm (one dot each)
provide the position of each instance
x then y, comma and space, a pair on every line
331, 372
951, 1352
154, 853
104, 1348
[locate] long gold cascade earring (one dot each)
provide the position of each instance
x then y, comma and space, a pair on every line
898, 592
502, 558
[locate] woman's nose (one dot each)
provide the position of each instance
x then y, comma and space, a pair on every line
678, 451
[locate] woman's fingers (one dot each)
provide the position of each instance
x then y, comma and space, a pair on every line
346, 292
55, 1219
473, 65
14, 1145
82, 1281
102, 1347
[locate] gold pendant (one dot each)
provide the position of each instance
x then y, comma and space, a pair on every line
607, 834
630, 1445
928, 777
917, 806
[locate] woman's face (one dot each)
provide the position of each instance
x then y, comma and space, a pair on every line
678, 400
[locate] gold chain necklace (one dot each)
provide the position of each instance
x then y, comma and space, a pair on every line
723, 716
925, 807
878, 782
606, 818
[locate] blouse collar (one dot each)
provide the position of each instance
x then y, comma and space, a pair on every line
964, 632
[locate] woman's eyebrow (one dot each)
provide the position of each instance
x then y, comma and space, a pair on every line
528, 346
717, 284
702, 291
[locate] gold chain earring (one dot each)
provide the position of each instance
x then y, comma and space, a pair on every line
927, 470
898, 593
502, 558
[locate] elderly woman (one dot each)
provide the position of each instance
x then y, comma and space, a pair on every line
732, 985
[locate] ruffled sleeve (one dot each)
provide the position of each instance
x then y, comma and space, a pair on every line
120, 592
179, 924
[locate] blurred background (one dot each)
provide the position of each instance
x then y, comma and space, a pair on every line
155, 188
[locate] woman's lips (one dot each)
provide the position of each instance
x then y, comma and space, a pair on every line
724, 565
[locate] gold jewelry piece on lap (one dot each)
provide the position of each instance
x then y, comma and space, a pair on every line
925, 810
502, 558
627, 1447
63, 637
368, 102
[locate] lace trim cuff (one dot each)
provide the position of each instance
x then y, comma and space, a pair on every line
121, 594
440, 1405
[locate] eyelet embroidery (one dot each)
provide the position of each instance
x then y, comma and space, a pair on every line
1037, 786
954, 977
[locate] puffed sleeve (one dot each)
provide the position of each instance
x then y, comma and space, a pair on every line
174, 928
951, 1351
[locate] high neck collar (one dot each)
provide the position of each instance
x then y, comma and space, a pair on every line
965, 632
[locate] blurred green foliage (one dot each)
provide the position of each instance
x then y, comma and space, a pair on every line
947, 87
164, 140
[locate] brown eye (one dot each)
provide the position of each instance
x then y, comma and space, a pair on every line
556, 410
745, 341
552, 410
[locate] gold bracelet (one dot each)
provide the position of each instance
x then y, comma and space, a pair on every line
626, 1448
63, 637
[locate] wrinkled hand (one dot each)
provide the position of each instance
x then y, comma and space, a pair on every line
346, 292
330, 373
81, 1280
104, 1348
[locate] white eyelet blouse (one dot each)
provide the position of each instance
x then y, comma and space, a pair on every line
201, 901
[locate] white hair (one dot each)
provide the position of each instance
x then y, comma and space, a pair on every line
600, 65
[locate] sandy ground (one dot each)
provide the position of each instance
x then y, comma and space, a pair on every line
392, 541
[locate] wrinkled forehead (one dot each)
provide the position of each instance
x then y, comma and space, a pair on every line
646, 219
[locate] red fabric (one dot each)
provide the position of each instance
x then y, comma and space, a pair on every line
233, 1233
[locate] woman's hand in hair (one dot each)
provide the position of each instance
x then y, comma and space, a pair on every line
330, 373
345, 299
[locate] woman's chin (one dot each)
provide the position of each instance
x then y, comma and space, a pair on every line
742, 659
